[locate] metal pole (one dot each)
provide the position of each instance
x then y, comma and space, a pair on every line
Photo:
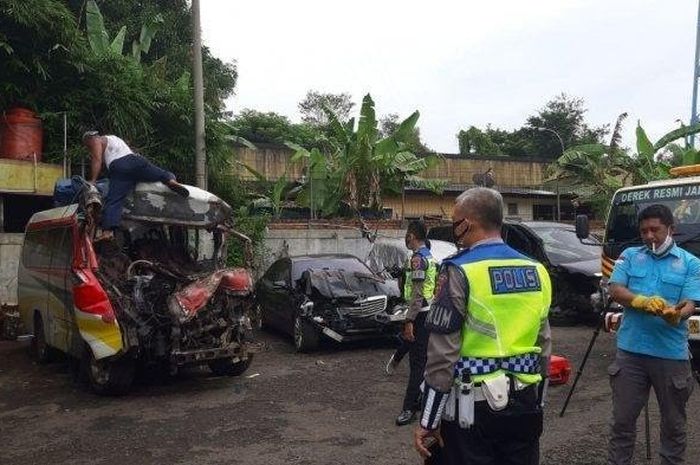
65, 144
561, 144
311, 188
403, 201
558, 201
200, 155
579, 372
696, 70
647, 432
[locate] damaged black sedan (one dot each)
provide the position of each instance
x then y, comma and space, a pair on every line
334, 296
574, 267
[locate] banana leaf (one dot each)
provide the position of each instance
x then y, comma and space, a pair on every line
676, 134
97, 34
644, 146
117, 45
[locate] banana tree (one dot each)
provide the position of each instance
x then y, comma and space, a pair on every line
362, 164
98, 37
320, 192
276, 193
599, 169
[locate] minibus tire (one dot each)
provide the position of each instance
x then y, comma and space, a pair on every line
227, 367
40, 350
109, 377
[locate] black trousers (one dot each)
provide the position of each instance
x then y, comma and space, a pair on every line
417, 355
508, 437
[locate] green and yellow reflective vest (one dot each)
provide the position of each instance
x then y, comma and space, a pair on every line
509, 299
429, 275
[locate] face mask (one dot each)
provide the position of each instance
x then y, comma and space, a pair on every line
663, 248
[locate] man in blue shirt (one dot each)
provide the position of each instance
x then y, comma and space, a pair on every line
658, 284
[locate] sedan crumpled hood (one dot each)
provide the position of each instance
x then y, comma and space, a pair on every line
587, 268
346, 285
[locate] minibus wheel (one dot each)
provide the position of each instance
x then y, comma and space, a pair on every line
41, 351
111, 377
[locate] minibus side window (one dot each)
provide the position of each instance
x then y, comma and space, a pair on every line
36, 252
61, 244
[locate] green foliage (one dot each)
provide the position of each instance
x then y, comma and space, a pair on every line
474, 141
566, 116
52, 66
388, 124
601, 169
96, 32
273, 128
362, 165
563, 114
252, 226
315, 106
148, 31
321, 193
117, 44
275, 192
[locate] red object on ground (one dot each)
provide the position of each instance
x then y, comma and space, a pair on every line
559, 370
21, 135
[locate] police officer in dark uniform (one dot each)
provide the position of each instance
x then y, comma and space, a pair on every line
418, 288
489, 346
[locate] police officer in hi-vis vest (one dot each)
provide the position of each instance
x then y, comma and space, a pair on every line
418, 288
489, 346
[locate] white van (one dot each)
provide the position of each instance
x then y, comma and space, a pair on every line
160, 295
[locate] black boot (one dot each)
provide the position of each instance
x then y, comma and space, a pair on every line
405, 417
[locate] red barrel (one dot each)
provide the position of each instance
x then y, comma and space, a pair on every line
21, 135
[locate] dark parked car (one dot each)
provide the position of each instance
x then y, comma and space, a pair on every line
336, 296
575, 268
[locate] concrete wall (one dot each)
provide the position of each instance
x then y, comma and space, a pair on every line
10, 250
280, 242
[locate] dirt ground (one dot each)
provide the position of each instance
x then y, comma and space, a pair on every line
334, 406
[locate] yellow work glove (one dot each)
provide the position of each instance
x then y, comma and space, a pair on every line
653, 305
673, 315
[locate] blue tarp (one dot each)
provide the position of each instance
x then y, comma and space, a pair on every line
67, 190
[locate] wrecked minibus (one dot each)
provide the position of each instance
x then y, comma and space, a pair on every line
158, 297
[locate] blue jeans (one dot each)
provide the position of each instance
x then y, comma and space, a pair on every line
124, 174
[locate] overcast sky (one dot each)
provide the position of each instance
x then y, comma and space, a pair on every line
463, 63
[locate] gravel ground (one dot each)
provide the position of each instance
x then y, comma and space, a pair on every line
334, 406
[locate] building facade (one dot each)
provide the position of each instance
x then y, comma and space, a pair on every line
521, 181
